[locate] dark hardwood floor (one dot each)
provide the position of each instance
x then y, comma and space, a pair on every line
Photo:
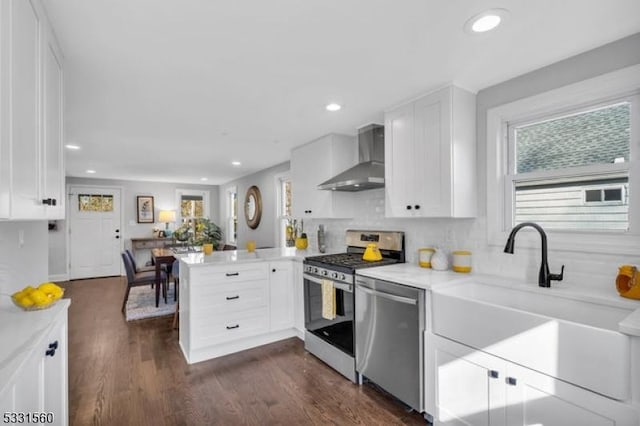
134, 374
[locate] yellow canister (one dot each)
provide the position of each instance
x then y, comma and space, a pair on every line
461, 261
424, 256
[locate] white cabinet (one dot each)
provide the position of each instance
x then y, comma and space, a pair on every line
314, 163
430, 156
31, 156
281, 295
226, 308
40, 383
475, 388
298, 298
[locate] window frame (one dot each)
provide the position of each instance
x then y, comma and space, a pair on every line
230, 218
604, 89
281, 218
206, 209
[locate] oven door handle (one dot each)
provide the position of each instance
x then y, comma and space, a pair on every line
395, 298
340, 286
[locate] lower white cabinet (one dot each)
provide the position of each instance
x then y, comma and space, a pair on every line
225, 308
281, 295
39, 388
475, 388
298, 298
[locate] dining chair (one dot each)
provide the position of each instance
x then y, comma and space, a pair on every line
135, 279
135, 266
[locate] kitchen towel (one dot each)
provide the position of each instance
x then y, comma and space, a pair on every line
328, 300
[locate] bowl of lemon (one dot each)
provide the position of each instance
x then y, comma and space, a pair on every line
36, 298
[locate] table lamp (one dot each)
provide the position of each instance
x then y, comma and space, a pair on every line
167, 216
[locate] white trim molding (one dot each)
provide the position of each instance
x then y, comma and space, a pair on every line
612, 85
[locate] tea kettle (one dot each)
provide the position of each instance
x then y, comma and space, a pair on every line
372, 253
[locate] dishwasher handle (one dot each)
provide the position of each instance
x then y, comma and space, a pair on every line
395, 298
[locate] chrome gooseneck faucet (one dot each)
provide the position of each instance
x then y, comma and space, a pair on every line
544, 276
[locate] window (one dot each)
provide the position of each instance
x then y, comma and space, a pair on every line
568, 159
560, 163
232, 215
283, 190
194, 204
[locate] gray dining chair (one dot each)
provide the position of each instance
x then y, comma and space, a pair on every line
135, 279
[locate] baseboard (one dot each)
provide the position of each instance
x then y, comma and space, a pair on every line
59, 278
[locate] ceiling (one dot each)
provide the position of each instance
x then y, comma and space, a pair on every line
175, 90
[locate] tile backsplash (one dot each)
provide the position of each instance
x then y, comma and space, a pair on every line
596, 272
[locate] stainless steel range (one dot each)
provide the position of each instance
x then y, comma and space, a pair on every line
332, 340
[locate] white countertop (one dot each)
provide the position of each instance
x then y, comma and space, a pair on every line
428, 279
412, 275
243, 256
21, 332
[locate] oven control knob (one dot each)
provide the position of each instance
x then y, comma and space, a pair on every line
343, 277
334, 275
325, 273
315, 270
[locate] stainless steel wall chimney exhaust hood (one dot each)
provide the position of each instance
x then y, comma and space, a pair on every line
369, 172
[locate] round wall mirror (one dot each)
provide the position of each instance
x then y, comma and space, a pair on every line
253, 207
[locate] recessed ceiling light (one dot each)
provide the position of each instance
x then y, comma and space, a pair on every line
236, 163
485, 21
90, 171
333, 107
204, 179
72, 146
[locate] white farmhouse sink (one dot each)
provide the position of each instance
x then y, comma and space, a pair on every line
574, 340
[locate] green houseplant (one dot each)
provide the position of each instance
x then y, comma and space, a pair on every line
207, 232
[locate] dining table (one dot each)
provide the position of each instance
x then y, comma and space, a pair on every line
161, 256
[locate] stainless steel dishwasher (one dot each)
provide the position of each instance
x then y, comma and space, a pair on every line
389, 333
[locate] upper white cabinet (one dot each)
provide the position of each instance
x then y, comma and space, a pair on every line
31, 124
314, 163
430, 156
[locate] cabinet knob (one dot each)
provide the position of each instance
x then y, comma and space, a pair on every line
417, 207
50, 352
53, 345
408, 207
493, 374
54, 202
117, 237
46, 201
511, 381
273, 270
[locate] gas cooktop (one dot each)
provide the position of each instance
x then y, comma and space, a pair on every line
347, 260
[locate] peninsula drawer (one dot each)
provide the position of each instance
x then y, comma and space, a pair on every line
229, 297
230, 273
207, 331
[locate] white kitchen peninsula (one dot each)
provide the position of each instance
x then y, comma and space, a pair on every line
236, 300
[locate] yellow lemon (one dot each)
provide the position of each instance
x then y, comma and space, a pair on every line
28, 289
24, 301
52, 290
39, 298
18, 294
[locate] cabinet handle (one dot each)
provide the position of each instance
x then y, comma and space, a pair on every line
232, 274
417, 207
50, 352
233, 297
46, 201
408, 207
53, 345
494, 374
231, 327
511, 381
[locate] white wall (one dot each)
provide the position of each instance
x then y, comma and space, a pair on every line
164, 199
22, 264
264, 235
596, 271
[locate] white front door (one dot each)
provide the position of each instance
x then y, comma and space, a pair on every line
95, 236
